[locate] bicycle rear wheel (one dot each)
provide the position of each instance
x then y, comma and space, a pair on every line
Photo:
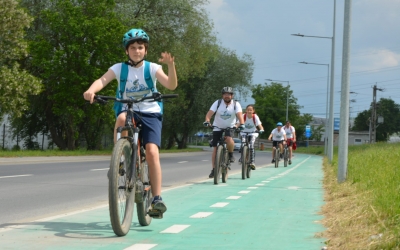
277, 157
219, 160
244, 158
121, 193
144, 204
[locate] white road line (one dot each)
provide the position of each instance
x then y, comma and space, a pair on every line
260, 184
201, 215
141, 247
182, 161
233, 197
99, 169
252, 187
175, 229
220, 204
265, 181
244, 192
13, 176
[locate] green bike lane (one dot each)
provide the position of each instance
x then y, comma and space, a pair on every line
277, 208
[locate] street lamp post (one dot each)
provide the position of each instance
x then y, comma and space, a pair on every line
332, 89
327, 127
287, 96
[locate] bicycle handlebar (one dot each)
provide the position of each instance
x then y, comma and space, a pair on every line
157, 96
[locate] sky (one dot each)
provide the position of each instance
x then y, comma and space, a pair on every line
263, 28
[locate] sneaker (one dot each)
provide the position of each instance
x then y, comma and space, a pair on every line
231, 157
252, 166
273, 161
240, 160
158, 204
290, 162
211, 174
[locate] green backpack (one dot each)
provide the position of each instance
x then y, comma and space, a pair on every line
122, 83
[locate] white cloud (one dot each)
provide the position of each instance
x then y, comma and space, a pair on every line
375, 59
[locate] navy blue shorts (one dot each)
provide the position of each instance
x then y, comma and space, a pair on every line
151, 127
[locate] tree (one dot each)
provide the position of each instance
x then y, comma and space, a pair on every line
270, 104
74, 44
16, 84
389, 110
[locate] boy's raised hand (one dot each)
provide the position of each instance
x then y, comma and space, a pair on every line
166, 58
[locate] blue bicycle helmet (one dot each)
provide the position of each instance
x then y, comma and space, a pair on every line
279, 124
134, 35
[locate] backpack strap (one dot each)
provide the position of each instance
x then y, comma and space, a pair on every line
254, 118
123, 78
147, 76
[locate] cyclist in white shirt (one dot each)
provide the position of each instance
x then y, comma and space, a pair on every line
251, 123
291, 138
278, 137
225, 117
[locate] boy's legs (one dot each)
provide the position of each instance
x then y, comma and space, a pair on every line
153, 161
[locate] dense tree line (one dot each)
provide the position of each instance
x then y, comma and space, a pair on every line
57, 48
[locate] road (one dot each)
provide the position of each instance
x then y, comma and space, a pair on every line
274, 209
36, 187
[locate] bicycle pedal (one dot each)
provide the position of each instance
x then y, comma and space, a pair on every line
156, 214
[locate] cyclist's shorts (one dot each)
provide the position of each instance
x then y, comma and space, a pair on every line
217, 135
289, 142
275, 143
151, 127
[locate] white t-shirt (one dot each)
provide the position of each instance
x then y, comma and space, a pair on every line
289, 132
136, 87
249, 125
225, 116
278, 135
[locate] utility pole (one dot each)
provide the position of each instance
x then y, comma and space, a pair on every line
372, 134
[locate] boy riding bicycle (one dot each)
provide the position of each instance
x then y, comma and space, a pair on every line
278, 137
136, 43
226, 111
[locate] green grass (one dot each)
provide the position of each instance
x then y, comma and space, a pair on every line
368, 202
33, 153
315, 150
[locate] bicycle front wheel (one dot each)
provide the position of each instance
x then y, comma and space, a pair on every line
244, 158
285, 157
144, 206
277, 157
219, 161
121, 192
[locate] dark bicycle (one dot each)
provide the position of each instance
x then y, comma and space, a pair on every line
277, 155
129, 179
285, 155
221, 164
245, 154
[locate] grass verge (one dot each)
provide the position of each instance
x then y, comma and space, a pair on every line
364, 211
